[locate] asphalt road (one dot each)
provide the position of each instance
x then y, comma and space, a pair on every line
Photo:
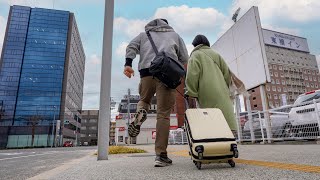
26, 163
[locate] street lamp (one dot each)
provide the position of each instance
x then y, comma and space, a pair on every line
54, 119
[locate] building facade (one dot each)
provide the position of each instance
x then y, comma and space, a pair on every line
42, 72
293, 72
89, 128
148, 128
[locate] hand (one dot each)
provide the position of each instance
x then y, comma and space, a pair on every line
128, 71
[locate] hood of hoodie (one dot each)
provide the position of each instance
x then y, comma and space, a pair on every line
158, 25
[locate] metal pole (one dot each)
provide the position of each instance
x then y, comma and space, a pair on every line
261, 127
104, 110
266, 114
317, 113
76, 144
129, 116
238, 118
54, 119
250, 119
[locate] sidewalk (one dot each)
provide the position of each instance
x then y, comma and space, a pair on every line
255, 162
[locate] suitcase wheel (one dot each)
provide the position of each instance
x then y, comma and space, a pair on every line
198, 164
232, 163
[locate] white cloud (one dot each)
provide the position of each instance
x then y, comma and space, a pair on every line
189, 48
3, 24
185, 20
298, 11
191, 20
130, 28
292, 31
121, 50
92, 82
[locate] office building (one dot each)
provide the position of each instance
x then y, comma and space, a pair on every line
41, 75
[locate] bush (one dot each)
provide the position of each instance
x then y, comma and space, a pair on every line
123, 150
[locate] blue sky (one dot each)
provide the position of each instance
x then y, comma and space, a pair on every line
188, 18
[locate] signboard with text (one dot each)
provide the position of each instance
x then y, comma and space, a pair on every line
285, 41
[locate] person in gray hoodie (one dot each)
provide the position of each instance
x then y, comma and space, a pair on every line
168, 41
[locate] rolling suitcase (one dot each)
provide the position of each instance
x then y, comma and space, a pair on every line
209, 137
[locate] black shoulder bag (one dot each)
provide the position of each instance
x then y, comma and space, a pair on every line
166, 69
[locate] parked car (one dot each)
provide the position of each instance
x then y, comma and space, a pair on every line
68, 144
279, 122
303, 115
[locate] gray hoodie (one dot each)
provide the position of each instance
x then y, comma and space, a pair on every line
165, 39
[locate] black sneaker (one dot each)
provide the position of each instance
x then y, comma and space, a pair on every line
162, 161
139, 118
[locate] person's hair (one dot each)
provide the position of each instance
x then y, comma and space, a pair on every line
200, 39
166, 21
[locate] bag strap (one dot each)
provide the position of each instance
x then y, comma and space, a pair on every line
152, 42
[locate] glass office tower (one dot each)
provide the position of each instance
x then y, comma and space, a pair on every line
41, 76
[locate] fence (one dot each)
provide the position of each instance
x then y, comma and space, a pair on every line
291, 122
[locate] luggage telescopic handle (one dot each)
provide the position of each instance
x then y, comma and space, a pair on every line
186, 99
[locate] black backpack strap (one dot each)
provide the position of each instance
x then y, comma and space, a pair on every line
152, 43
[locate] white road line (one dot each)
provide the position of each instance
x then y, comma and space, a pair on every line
27, 156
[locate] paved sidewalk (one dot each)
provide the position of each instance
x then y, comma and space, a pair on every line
256, 162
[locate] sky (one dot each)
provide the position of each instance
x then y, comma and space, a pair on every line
189, 18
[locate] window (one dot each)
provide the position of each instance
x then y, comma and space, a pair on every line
271, 73
92, 135
316, 85
254, 98
269, 96
318, 79
268, 88
255, 106
283, 82
253, 91
309, 72
120, 138
284, 89
277, 81
282, 74
279, 89
274, 88
270, 104
83, 128
93, 128
310, 78
313, 72
270, 66
314, 78
93, 120
306, 78
275, 96
304, 71
276, 74
83, 135
277, 104
312, 85
275, 67
280, 67
307, 84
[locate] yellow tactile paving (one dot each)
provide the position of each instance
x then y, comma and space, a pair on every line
277, 165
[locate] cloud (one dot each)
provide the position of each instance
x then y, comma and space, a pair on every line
297, 11
3, 24
292, 31
121, 49
129, 27
92, 80
191, 20
185, 20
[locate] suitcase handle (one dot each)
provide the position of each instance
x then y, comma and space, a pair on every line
186, 99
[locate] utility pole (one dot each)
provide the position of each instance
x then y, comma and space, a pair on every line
129, 116
54, 119
104, 108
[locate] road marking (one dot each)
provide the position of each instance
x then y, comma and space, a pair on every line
277, 165
27, 156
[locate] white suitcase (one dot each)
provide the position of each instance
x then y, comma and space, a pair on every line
209, 137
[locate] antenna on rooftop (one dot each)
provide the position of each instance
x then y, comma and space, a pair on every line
235, 15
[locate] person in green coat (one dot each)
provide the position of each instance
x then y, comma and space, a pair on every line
208, 79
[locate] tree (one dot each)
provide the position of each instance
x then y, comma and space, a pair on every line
34, 121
